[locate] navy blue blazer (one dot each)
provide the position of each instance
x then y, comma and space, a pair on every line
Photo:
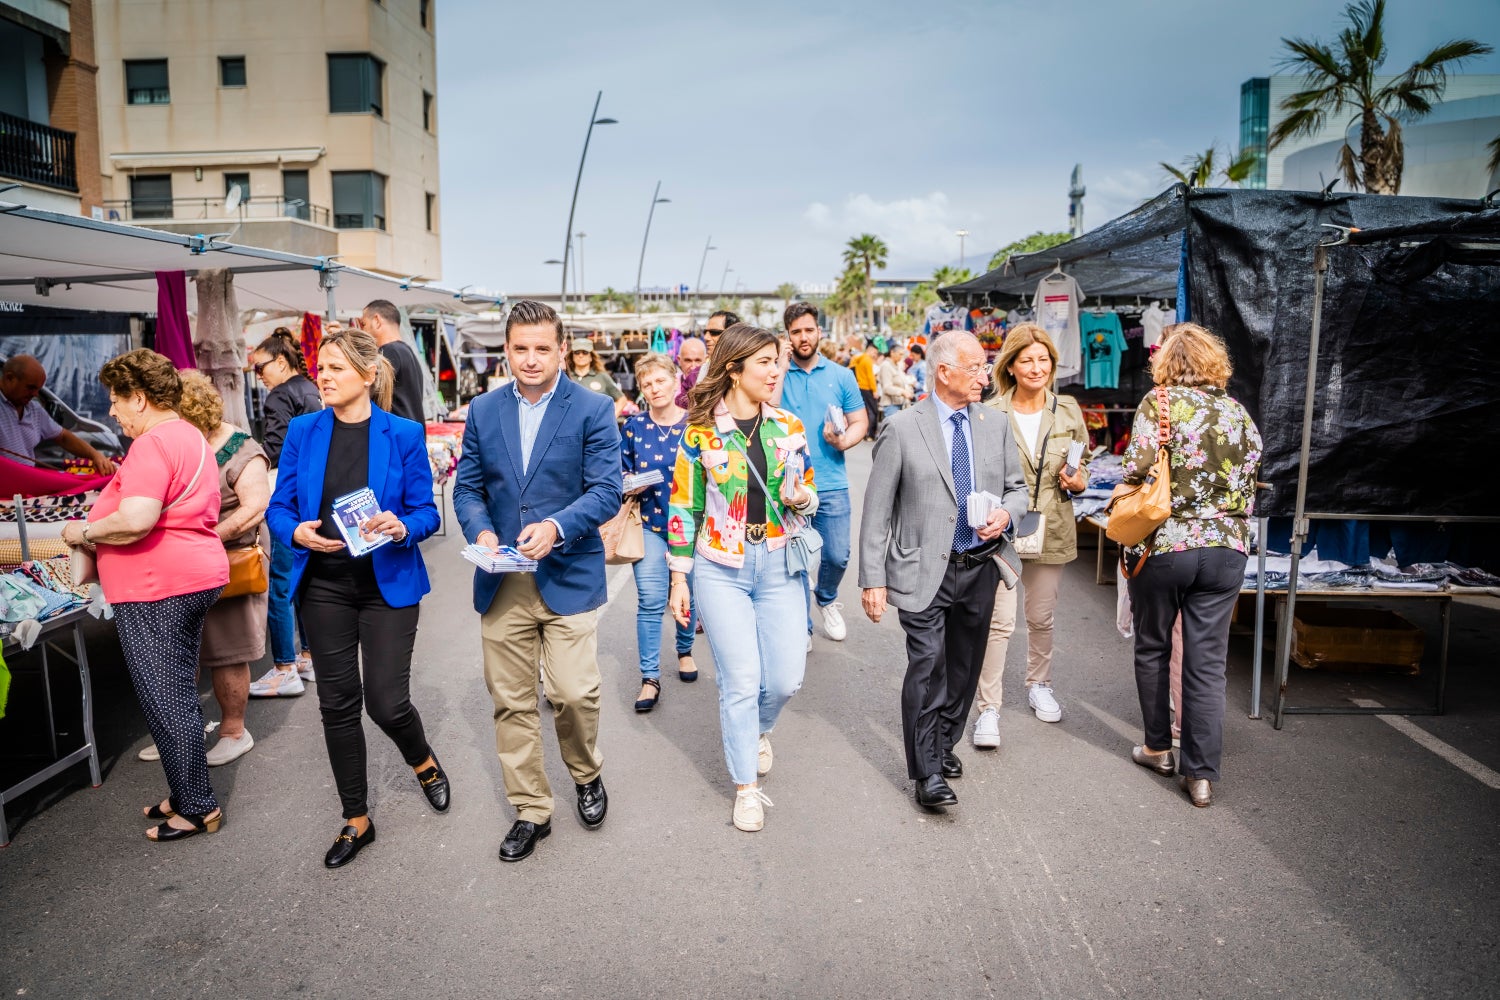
573, 478
400, 476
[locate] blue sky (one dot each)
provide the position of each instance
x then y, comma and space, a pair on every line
782, 129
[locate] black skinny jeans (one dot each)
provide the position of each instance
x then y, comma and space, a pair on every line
347, 620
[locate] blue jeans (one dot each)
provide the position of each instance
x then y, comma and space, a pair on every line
280, 614
832, 522
890, 410
652, 583
758, 661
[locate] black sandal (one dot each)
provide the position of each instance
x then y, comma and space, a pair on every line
155, 811
207, 823
647, 704
687, 676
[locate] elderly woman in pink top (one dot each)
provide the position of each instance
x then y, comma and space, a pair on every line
162, 566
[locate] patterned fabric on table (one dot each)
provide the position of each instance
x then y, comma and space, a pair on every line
48, 510
1215, 449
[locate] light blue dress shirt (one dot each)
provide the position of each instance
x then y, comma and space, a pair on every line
945, 422
531, 415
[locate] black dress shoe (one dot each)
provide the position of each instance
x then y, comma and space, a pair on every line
951, 766
349, 843
434, 782
592, 803
521, 840
933, 793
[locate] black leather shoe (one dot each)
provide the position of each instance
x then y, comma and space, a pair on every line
434, 782
951, 766
521, 840
592, 803
349, 843
933, 793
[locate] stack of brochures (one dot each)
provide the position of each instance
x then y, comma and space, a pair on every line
505, 559
635, 480
836, 419
350, 512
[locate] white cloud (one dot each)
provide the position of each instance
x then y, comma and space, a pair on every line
1119, 193
916, 229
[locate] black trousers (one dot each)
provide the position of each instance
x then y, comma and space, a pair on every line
944, 653
348, 621
872, 410
1202, 584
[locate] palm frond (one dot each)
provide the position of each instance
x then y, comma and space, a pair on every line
1494, 147
1241, 166
1315, 60
1349, 167
1302, 121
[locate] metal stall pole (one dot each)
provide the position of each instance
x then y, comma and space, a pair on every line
328, 280
1263, 525
1299, 519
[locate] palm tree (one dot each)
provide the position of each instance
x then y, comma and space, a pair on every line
1494, 148
786, 292
945, 276
1346, 82
606, 300
869, 252
1200, 170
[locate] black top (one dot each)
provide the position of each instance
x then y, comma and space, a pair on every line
348, 469
755, 497
407, 399
292, 398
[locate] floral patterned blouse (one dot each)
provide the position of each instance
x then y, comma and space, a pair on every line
712, 480
647, 445
1215, 449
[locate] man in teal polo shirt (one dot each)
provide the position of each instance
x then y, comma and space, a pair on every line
813, 384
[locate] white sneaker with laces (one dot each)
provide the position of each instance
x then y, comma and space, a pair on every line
833, 621
987, 730
764, 758
1039, 697
227, 749
749, 809
305, 668
276, 683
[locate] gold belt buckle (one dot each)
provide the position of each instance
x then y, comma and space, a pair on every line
755, 534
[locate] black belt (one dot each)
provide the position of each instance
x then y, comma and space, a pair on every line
973, 557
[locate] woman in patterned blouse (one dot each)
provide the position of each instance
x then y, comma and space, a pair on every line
648, 442
1195, 562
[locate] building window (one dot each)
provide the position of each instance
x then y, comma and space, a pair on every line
426, 111
231, 71
146, 82
294, 196
241, 181
424, 9
358, 199
432, 213
356, 84
151, 196
1255, 127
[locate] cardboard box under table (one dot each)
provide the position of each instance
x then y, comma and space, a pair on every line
1356, 640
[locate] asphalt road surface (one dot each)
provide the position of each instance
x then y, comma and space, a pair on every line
1344, 856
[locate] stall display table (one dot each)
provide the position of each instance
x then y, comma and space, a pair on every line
53, 633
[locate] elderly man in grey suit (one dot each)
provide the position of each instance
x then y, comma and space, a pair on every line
918, 551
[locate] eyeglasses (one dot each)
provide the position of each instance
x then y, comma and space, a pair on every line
260, 366
977, 372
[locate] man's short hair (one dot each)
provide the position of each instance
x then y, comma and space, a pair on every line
729, 318
529, 312
796, 311
387, 312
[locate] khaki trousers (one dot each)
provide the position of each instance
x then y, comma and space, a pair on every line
519, 631
1040, 582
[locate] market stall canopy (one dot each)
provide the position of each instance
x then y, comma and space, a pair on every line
68, 262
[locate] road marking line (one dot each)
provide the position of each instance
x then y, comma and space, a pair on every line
1131, 733
617, 577
1423, 738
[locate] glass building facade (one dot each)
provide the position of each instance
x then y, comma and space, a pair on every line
1255, 126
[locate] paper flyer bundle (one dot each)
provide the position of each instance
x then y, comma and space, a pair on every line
350, 512
506, 559
836, 419
635, 480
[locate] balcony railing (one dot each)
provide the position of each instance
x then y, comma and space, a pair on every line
36, 154
188, 209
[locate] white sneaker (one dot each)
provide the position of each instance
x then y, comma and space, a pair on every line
227, 749
833, 621
1039, 697
987, 730
305, 669
276, 683
764, 758
749, 809
149, 753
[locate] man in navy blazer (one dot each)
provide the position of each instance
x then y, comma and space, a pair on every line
540, 470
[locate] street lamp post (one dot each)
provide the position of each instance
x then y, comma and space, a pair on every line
961, 234
724, 277
656, 199
580, 282
708, 245
594, 119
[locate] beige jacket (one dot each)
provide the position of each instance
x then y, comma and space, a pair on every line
1061, 542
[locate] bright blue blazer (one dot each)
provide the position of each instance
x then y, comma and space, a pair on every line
573, 478
400, 476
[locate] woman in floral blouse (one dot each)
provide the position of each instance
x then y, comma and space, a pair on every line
743, 470
648, 442
1195, 562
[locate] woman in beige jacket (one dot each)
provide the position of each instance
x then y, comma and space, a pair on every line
1040, 419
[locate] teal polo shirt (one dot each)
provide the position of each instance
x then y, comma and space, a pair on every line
808, 394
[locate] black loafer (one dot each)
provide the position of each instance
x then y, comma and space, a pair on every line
349, 843
951, 766
933, 793
592, 803
521, 840
434, 782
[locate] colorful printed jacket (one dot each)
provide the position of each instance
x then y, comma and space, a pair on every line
712, 479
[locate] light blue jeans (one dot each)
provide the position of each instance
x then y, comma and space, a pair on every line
832, 522
652, 582
281, 614
758, 661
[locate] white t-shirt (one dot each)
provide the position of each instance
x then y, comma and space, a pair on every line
1056, 305
1030, 425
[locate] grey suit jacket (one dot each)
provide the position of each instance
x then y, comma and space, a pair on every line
911, 509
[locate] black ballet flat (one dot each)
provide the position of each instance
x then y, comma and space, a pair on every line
647, 704
348, 843
207, 823
686, 676
434, 782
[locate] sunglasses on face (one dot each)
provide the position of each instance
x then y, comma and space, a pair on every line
261, 366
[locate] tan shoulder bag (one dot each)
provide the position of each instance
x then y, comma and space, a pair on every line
1137, 509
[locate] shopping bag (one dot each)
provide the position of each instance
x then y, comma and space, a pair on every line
1137, 509
624, 535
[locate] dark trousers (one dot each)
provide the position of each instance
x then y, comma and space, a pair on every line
944, 653
160, 640
1202, 584
872, 410
348, 621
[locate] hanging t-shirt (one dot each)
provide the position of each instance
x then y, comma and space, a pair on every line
1103, 347
1153, 318
941, 319
1056, 305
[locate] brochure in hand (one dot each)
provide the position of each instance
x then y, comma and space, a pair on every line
350, 512
836, 419
504, 560
635, 480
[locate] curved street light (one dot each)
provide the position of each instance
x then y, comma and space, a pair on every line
961, 234
708, 245
656, 199
594, 119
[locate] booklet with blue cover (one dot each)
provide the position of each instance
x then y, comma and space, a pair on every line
350, 512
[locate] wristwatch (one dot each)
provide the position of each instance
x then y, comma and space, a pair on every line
86, 533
